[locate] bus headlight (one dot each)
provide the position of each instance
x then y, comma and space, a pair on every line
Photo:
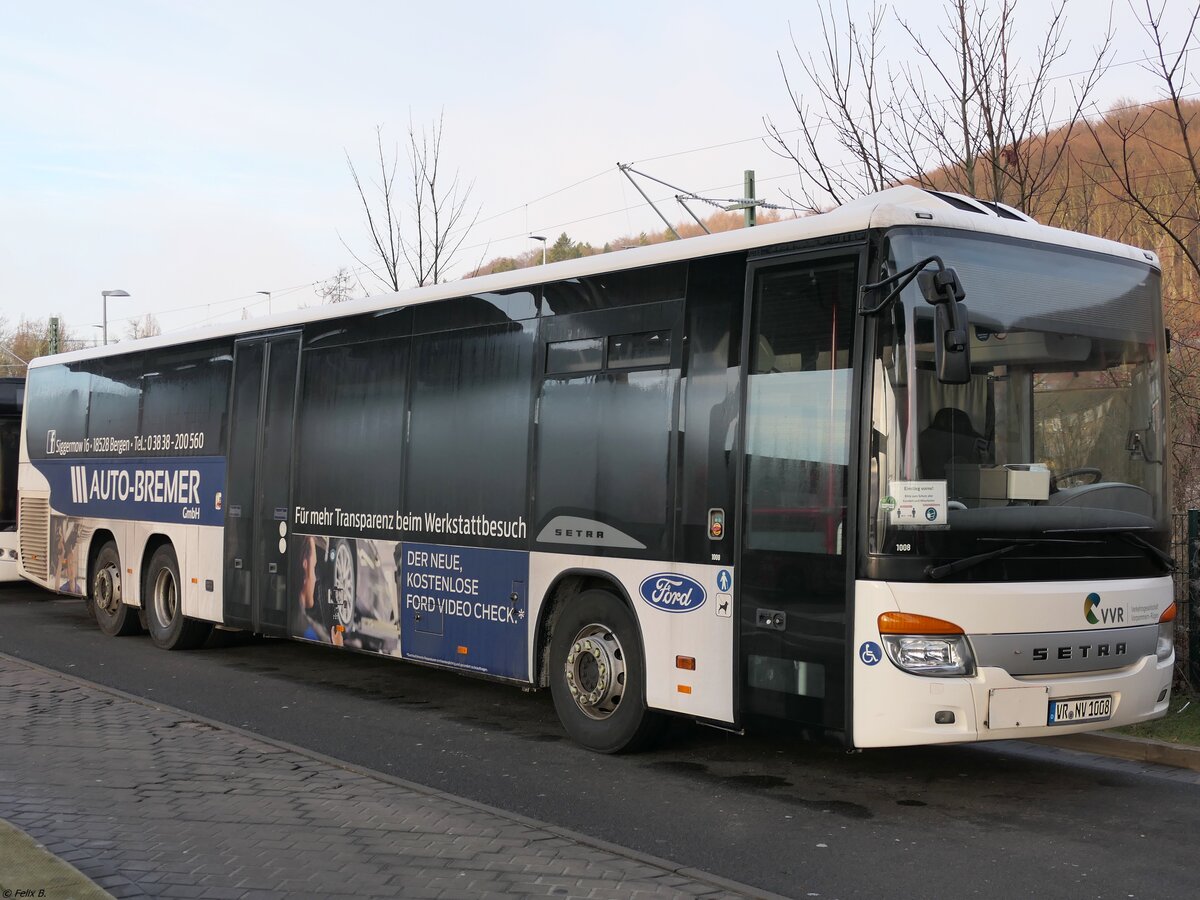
924, 655
924, 645
1166, 633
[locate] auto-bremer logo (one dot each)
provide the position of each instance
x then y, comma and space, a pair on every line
673, 593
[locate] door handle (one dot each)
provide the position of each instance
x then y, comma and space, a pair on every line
272, 568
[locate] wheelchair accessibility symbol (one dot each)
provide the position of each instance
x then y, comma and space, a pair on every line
870, 653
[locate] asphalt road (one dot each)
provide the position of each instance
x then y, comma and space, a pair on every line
799, 819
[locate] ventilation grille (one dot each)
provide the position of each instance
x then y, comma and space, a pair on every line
35, 537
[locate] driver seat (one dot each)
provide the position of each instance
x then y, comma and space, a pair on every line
949, 439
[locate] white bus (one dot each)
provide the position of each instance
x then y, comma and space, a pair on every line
895, 472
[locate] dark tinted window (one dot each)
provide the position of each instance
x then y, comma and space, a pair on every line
604, 452
647, 348
350, 434
475, 310
565, 357
10, 445
626, 288
116, 396
469, 432
376, 326
185, 391
57, 399
714, 316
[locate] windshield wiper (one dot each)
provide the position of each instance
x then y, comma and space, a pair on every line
937, 573
1153, 552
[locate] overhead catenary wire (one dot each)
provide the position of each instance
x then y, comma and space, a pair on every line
360, 270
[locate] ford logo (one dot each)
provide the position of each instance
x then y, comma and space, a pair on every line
673, 593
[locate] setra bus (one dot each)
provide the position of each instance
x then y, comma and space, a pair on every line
894, 472
12, 391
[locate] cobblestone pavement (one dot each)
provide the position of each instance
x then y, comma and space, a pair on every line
148, 801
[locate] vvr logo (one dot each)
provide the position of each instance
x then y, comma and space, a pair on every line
673, 593
1091, 606
79, 491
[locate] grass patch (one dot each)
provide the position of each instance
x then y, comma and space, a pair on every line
1181, 724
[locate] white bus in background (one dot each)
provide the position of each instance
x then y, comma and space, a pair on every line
895, 472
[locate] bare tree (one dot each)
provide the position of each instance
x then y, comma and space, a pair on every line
1131, 142
854, 108
1143, 160
981, 129
30, 338
437, 205
146, 326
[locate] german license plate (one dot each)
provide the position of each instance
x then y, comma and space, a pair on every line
1080, 709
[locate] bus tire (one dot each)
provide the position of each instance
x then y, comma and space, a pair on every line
114, 617
598, 676
344, 568
163, 598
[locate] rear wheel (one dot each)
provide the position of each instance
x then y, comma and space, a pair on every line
598, 676
163, 597
104, 595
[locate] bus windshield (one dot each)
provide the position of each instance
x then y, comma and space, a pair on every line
1059, 431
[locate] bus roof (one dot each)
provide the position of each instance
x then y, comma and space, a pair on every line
904, 205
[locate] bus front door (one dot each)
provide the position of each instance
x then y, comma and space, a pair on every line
259, 475
792, 568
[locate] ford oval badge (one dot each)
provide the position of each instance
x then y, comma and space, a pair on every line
673, 593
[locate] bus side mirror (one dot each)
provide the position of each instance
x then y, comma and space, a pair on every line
951, 325
952, 343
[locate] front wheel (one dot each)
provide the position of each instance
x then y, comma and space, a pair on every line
104, 595
598, 676
163, 597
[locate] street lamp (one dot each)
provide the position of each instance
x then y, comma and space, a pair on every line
104, 295
268, 293
542, 238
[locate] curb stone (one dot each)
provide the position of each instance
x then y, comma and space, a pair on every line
1180, 756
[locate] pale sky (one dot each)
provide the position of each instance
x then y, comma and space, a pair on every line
193, 154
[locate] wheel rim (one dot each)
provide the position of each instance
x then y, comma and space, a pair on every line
595, 671
166, 596
343, 583
106, 588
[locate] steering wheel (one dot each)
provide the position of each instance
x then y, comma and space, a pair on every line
1096, 475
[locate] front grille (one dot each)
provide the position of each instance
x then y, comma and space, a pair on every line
1065, 652
34, 527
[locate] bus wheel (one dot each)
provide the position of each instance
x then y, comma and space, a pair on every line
104, 595
345, 577
169, 629
598, 675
